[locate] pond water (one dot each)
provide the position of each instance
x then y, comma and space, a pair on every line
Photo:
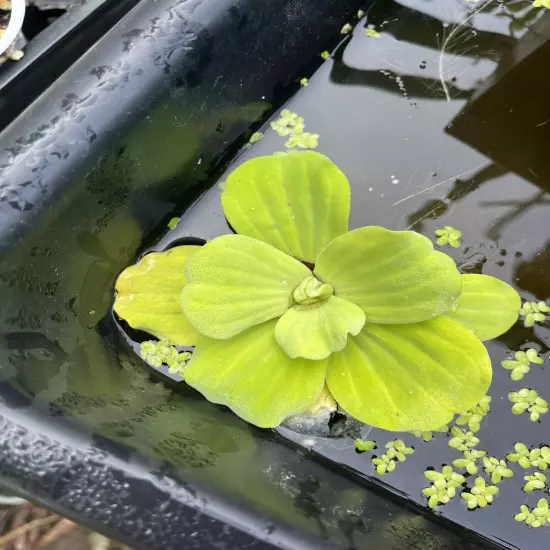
441, 121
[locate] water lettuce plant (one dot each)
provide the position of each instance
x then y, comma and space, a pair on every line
295, 303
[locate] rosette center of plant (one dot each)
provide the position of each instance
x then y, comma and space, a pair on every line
312, 291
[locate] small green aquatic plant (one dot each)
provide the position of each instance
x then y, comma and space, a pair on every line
346, 29
295, 302
443, 487
474, 416
398, 449
534, 482
539, 457
383, 464
469, 461
325, 55
292, 125
428, 435
461, 440
255, 137
526, 400
448, 235
163, 353
364, 446
497, 468
371, 32
533, 312
173, 223
304, 81
520, 366
480, 495
537, 517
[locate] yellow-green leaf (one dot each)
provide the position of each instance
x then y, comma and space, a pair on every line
315, 331
393, 276
148, 295
410, 377
296, 201
235, 282
253, 376
487, 306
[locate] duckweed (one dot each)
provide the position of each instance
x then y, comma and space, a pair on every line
521, 365
372, 33
537, 517
462, 440
325, 55
480, 495
497, 468
474, 416
255, 137
364, 446
304, 81
448, 235
528, 400
428, 435
384, 464
443, 487
536, 481
173, 223
398, 449
162, 352
536, 458
346, 29
469, 461
533, 312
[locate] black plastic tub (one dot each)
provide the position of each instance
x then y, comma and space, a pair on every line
138, 129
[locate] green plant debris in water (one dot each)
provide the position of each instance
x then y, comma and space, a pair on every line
537, 517
325, 55
520, 366
372, 33
535, 482
443, 487
346, 29
255, 137
461, 440
527, 400
448, 236
539, 457
305, 140
497, 468
304, 81
291, 125
480, 495
255, 291
383, 464
474, 416
533, 312
469, 461
163, 353
428, 435
172, 224
364, 446
398, 449
361, 14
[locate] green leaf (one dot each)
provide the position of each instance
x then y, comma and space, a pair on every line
148, 295
393, 276
410, 377
487, 306
235, 282
315, 331
253, 376
297, 201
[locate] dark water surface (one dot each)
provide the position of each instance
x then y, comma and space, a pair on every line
417, 159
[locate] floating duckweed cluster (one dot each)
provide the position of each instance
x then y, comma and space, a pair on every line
428, 435
346, 29
173, 223
371, 32
325, 55
398, 449
474, 416
443, 487
360, 14
162, 352
461, 440
291, 125
521, 365
480, 495
364, 446
533, 312
384, 464
534, 482
497, 468
469, 461
304, 81
526, 400
539, 457
537, 517
448, 235
255, 137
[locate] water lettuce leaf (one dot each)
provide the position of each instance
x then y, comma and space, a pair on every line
298, 202
393, 276
487, 306
235, 282
148, 295
253, 376
315, 331
410, 377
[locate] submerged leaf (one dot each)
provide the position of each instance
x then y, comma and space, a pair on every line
235, 282
315, 331
253, 376
298, 202
148, 295
410, 377
393, 276
487, 306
